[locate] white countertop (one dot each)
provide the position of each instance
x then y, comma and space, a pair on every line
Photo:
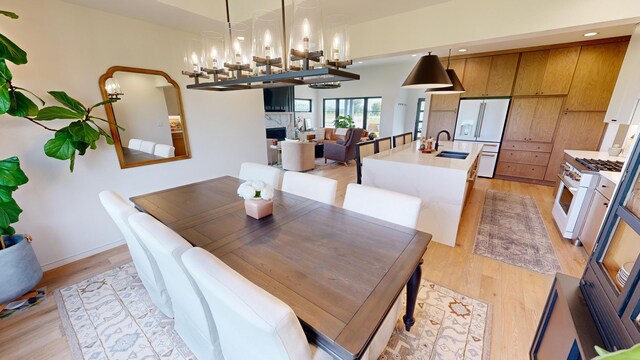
410, 154
612, 176
598, 155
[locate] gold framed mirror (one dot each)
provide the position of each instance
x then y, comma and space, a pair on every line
147, 118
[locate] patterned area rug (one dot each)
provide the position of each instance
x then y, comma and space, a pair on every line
449, 326
512, 231
110, 316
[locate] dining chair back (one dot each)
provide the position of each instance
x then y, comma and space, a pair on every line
134, 144
383, 204
312, 187
408, 137
147, 146
252, 323
363, 150
398, 140
383, 144
119, 211
253, 171
193, 320
165, 151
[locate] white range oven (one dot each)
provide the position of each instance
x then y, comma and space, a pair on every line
575, 189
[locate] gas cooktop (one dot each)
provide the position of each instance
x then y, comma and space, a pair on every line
601, 165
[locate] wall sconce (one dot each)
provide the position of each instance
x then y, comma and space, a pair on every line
113, 89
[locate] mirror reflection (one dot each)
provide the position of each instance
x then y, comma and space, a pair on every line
146, 119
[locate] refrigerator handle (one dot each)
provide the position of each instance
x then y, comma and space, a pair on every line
478, 120
483, 107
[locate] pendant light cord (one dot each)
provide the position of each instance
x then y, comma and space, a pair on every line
285, 55
226, 2
449, 59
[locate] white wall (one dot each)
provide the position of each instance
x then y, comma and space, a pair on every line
69, 48
472, 21
142, 110
375, 80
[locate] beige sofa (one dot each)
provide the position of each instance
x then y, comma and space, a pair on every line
298, 156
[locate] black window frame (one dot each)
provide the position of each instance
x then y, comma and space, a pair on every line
419, 123
305, 100
337, 100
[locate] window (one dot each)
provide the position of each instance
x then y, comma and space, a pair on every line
364, 111
417, 131
302, 105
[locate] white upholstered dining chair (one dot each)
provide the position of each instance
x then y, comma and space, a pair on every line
312, 187
147, 146
193, 320
165, 151
134, 144
395, 208
252, 323
266, 173
145, 265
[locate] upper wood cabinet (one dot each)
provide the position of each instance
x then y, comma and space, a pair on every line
533, 118
595, 76
449, 102
490, 75
546, 72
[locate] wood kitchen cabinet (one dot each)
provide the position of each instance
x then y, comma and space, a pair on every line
490, 75
595, 215
449, 102
533, 118
441, 120
595, 76
546, 72
576, 131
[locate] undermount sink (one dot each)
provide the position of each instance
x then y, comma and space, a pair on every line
453, 154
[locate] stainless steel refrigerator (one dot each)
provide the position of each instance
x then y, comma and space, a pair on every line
482, 121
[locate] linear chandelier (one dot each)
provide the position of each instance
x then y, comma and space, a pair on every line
247, 57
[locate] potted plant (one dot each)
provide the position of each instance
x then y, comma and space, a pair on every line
631, 353
19, 267
257, 197
344, 122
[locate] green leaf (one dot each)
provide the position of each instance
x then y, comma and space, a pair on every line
5, 99
82, 131
72, 163
109, 101
11, 174
30, 92
9, 14
22, 105
5, 192
81, 146
9, 213
102, 132
57, 112
11, 51
68, 101
7, 231
107, 121
4, 71
61, 146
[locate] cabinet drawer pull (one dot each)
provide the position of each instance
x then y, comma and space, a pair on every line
604, 186
605, 204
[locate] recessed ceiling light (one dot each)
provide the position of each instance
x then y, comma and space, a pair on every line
589, 34
462, 50
414, 55
359, 62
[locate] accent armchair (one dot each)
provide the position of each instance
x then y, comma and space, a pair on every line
343, 151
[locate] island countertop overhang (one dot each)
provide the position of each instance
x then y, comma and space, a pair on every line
410, 154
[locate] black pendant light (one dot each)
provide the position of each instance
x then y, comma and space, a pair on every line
427, 74
456, 88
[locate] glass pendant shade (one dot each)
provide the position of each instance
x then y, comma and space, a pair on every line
267, 34
337, 40
307, 30
112, 86
213, 49
428, 73
238, 44
457, 87
193, 56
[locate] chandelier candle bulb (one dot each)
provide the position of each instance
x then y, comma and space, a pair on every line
305, 32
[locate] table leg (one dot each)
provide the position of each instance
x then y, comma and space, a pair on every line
412, 295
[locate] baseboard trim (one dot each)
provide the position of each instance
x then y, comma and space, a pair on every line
82, 255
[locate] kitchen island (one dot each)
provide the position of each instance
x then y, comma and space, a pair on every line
442, 183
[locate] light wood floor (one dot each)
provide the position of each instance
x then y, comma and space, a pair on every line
517, 295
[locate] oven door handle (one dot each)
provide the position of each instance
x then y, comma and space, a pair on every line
568, 185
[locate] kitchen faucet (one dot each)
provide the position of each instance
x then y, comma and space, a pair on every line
438, 137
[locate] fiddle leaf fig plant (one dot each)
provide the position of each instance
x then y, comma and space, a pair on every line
344, 122
69, 141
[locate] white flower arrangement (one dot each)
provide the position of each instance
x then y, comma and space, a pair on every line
255, 189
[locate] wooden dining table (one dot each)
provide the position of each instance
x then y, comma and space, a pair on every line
338, 270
